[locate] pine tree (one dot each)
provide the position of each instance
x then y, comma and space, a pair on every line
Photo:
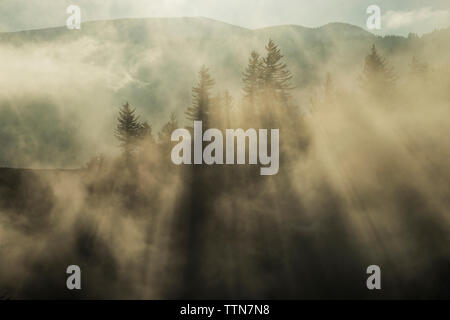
275, 75
129, 130
252, 77
377, 76
201, 98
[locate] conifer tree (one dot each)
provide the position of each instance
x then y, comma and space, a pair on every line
377, 76
275, 75
252, 77
129, 130
201, 97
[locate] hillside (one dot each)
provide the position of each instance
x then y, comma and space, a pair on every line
84, 76
357, 143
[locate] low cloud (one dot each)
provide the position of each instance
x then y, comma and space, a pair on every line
427, 17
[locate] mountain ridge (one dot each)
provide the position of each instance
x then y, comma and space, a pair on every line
199, 18
329, 25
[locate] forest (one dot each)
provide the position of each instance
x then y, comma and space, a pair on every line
363, 173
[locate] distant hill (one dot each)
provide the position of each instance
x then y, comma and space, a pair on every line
152, 63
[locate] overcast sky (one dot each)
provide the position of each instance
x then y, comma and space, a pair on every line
399, 16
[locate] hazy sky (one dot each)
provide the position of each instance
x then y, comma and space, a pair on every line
399, 16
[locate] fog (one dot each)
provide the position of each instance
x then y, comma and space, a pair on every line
399, 17
364, 174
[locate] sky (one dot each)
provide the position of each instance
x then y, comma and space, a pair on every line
398, 16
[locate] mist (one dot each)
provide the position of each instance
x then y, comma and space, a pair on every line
363, 175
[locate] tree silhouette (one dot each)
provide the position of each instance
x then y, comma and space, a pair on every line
129, 130
252, 77
275, 75
201, 97
199, 188
272, 79
377, 77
